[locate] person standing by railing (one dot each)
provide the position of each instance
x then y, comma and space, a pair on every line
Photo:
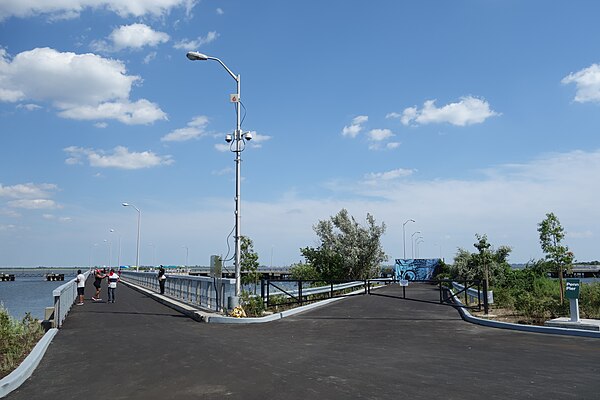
113, 278
80, 286
162, 278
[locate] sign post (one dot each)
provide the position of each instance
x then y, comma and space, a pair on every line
572, 293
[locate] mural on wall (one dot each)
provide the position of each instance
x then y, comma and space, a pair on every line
420, 269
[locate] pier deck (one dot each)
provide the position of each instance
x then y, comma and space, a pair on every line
368, 347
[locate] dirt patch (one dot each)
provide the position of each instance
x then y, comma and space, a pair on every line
506, 315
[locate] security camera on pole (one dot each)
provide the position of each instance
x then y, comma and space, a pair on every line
237, 145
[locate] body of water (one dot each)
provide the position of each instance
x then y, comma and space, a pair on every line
28, 294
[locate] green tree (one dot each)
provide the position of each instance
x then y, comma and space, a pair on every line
347, 249
557, 255
249, 262
490, 261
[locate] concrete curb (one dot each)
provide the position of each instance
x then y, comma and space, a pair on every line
16, 378
466, 315
214, 318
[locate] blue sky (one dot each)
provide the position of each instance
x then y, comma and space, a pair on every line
466, 116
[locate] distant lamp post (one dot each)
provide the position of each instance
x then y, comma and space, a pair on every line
412, 243
109, 245
119, 254
153, 253
419, 240
404, 235
137, 256
187, 254
239, 140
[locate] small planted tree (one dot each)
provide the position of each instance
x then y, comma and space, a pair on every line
249, 262
557, 255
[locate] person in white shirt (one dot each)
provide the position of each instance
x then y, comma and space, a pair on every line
80, 286
113, 278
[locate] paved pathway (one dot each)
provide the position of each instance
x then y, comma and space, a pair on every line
364, 347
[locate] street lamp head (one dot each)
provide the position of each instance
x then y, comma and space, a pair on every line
248, 136
228, 138
195, 56
125, 204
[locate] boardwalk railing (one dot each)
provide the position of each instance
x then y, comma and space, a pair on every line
64, 297
201, 291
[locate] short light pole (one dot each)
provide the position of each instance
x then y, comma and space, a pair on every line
237, 145
404, 235
139, 221
412, 243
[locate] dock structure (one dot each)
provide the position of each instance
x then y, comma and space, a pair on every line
7, 277
368, 346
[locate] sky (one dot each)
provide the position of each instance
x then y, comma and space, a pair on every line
468, 117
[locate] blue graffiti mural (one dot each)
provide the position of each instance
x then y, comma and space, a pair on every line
420, 269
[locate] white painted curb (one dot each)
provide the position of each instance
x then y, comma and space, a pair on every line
16, 378
466, 315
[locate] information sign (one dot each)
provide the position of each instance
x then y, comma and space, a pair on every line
572, 289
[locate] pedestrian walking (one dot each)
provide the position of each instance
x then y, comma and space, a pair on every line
99, 274
113, 278
80, 286
162, 278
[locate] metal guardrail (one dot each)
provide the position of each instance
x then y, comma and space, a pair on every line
64, 297
201, 291
300, 294
474, 293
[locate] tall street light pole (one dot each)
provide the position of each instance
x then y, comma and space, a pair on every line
404, 235
412, 243
137, 256
237, 147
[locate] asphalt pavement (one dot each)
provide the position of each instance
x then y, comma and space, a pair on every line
362, 347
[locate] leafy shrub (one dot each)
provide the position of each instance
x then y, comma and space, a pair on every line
589, 300
252, 305
17, 338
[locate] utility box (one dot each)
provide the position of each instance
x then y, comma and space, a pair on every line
216, 266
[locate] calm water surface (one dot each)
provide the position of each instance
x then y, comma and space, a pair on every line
28, 294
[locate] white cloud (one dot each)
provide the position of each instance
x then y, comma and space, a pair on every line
66, 9
393, 115
469, 110
355, 127
222, 147
220, 11
377, 135
587, 82
34, 204
194, 130
27, 190
374, 177
29, 107
393, 145
258, 139
101, 125
149, 57
80, 86
140, 112
120, 158
134, 36
194, 44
